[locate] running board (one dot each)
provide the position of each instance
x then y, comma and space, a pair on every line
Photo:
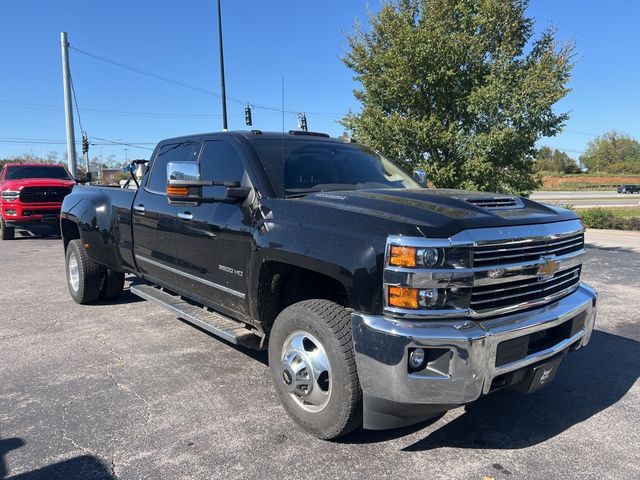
215, 323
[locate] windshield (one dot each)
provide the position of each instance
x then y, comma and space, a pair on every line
311, 166
17, 172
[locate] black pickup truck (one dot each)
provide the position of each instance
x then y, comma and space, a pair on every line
381, 302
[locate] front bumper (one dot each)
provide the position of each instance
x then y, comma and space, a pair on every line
461, 354
19, 214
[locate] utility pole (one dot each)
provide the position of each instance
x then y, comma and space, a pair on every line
224, 93
68, 111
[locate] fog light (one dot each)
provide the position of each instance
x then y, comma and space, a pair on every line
10, 211
416, 358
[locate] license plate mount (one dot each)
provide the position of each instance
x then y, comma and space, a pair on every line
543, 374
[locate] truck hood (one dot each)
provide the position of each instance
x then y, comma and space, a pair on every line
439, 212
36, 182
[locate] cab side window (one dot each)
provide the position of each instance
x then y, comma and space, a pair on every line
171, 152
219, 160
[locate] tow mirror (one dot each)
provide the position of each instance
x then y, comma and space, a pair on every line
185, 186
420, 176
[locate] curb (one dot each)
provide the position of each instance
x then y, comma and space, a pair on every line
617, 233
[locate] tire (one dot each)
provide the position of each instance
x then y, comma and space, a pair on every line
331, 406
112, 285
6, 233
83, 275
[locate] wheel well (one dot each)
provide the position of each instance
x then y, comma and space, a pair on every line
282, 285
70, 231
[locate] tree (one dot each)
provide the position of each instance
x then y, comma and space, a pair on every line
553, 160
52, 157
459, 88
612, 152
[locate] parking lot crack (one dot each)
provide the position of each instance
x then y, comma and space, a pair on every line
133, 393
113, 469
65, 435
130, 391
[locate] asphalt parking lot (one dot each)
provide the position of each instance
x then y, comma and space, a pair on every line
128, 391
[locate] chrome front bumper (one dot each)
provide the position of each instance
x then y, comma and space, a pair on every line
463, 352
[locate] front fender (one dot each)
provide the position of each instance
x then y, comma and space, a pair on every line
355, 262
98, 228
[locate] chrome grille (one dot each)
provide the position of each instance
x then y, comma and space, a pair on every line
513, 268
486, 255
43, 194
488, 298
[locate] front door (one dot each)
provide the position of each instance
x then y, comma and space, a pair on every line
155, 221
214, 239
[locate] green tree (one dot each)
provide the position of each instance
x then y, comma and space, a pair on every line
553, 160
459, 88
612, 152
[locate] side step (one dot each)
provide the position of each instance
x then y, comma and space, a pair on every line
215, 323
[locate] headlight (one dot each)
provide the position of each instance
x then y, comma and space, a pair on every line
427, 275
452, 298
429, 257
10, 195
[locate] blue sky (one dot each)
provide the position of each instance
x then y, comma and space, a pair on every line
302, 41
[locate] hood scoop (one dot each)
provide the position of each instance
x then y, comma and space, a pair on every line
496, 203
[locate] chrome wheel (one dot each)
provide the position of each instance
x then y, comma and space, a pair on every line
306, 373
74, 273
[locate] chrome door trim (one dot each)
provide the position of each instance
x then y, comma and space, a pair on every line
191, 277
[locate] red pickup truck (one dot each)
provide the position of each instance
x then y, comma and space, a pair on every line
32, 194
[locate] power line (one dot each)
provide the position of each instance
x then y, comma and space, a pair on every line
133, 145
75, 101
205, 91
48, 141
117, 112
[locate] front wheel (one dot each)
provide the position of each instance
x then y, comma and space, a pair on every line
6, 233
313, 368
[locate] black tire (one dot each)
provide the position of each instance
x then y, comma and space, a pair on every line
88, 274
6, 233
330, 324
112, 285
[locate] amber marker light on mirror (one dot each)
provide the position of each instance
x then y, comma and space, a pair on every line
402, 297
177, 191
402, 256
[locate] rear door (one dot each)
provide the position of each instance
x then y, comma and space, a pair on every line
154, 220
214, 239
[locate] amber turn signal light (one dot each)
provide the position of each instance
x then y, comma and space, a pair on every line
403, 297
402, 256
174, 191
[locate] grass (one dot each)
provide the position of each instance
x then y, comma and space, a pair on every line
611, 218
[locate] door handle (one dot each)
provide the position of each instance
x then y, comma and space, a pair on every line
139, 209
185, 216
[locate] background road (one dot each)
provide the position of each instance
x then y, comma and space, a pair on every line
588, 199
128, 391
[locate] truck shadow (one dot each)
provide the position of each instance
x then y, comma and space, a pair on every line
588, 382
591, 246
84, 467
41, 232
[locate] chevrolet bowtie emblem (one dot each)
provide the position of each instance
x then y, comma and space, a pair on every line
548, 269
